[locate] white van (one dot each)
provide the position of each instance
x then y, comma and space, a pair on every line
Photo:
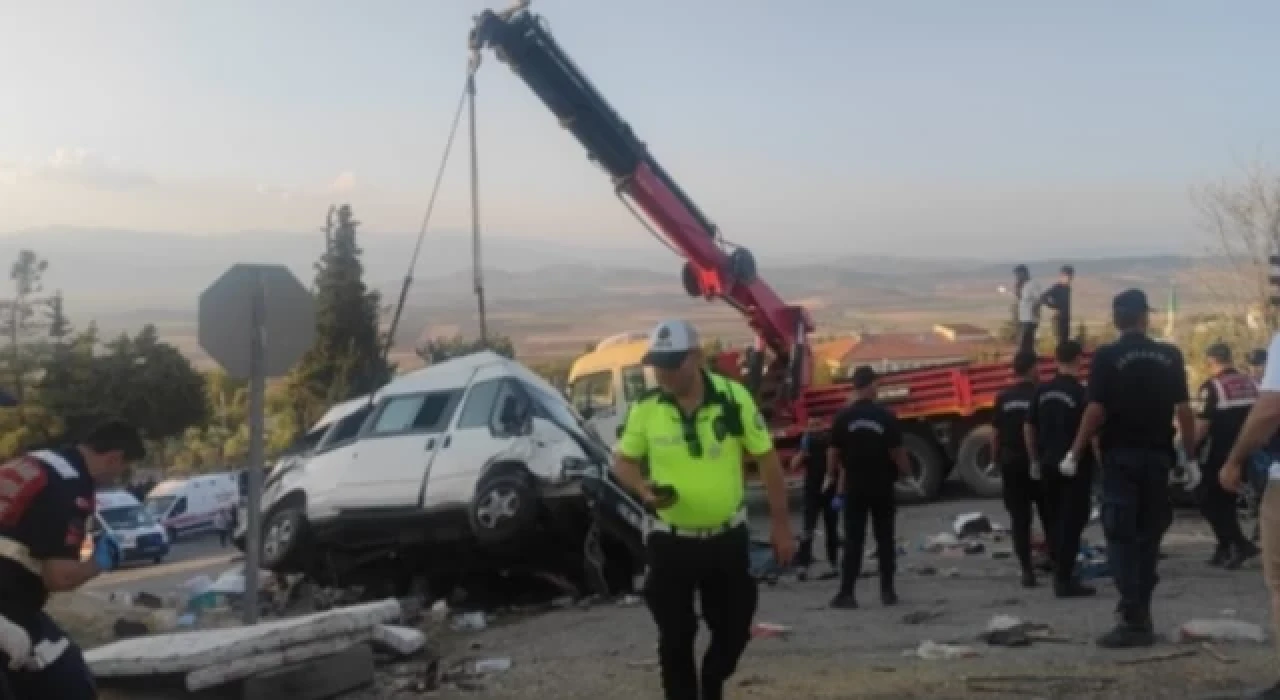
139, 535
478, 448
187, 506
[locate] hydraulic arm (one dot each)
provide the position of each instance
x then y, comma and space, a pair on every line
713, 268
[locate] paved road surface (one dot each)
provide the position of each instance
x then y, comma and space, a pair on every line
189, 558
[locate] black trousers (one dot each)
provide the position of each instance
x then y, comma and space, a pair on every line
817, 505
66, 678
716, 569
1021, 494
1027, 337
880, 508
1136, 512
1072, 502
1218, 506
1062, 327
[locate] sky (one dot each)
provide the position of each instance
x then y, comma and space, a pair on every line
924, 127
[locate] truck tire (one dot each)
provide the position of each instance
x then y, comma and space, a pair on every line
929, 468
973, 462
505, 506
284, 538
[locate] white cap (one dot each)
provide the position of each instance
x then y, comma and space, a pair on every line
669, 343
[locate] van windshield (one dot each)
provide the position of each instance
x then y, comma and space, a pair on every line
126, 517
160, 505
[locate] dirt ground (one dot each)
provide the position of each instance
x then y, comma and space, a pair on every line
609, 650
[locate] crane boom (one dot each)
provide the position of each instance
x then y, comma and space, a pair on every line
714, 268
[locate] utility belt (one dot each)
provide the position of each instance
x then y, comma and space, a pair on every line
16, 551
698, 533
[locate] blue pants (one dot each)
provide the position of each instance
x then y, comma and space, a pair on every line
1136, 512
66, 678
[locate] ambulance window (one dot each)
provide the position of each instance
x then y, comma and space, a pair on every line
633, 382
179, 508
592, 391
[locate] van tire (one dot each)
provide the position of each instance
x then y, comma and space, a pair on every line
928, 465
973, 462
505, 506
284, 538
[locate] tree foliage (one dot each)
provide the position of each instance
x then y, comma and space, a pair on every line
438, 350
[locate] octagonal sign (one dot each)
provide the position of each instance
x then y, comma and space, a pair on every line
226, 318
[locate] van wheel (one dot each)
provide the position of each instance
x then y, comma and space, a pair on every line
973, 460
928, 468
505, 506
283, 538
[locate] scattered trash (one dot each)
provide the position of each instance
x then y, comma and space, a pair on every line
1006, 631
469, 622
147, 600
935, 544
440, 610
932, 651
126, 629
1221, 630
402, 641
974, 547
919, 617
493, 665
971, 524
769, 630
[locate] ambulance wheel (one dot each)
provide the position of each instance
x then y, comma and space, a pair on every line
973, 461
928, 469
505, 506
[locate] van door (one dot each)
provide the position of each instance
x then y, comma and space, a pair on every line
596, 398
491, 426
395, 450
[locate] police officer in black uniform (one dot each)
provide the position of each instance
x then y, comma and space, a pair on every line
46, 498
1021, 485
1225, 400
1136, 387
1052, 421
819, 494
866, 458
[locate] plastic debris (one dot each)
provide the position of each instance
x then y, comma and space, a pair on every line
404, 641
769, 630
930, 650
1220, 630
939, 542
972, 524
493, 665
1010, 631
630, 600
440, 610
469, 622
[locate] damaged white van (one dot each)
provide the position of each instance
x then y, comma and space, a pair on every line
470, 463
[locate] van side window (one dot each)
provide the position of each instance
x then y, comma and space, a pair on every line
509, 395
417, 413
633, 383
345, 430
593, 391
479, 406
179, 508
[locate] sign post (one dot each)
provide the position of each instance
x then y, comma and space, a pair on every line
256, 321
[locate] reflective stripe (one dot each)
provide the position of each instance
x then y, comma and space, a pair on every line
1239, 393
699, 533
47, 652
58, 462
16, 551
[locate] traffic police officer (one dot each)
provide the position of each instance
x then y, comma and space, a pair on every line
1020, 477
694, 432
819, 494
1053, 417
867, 457
1136, 387
46, 498
1225, 401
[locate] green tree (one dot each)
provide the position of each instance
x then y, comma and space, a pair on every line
26, 313
440, 349
346, 359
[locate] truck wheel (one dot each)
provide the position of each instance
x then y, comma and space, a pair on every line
505, 506
928, 469
973, 461
284, 537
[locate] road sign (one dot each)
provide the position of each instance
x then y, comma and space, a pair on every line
226, 309
256, 321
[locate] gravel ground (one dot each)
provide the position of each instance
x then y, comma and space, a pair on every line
608, 650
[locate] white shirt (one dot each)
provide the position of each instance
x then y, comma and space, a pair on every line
1029, 302
1271, 375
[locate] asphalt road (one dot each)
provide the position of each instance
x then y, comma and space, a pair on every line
189, 557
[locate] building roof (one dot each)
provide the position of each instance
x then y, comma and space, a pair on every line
962, 329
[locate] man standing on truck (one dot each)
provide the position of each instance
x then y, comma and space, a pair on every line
865, 459
1053, 417
1027, 308
819, 492
1136, 387
1225, 400
1058, 298
1020, 476
46, 498
695, 431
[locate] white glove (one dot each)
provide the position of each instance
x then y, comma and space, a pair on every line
1035, 470
15, 643
1067, 467
1193, 475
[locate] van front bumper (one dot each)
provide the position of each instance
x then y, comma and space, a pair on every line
146, 547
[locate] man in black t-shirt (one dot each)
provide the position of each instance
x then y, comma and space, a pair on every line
1052, 421
46, 498
1058, 298
1225, 400
819, 491
1020, 483
867, 455
1136, 387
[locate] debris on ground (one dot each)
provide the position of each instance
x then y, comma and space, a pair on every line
469, 622
1009, 631
768, 630
922, 570
492, 665
1219, 630
972, 524
936, 544
401, 641
930, 650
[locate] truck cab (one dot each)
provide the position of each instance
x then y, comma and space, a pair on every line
604, 382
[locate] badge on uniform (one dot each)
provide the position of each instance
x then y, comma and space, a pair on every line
759, 421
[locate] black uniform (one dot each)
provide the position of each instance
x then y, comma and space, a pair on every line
1138, 382
1225, 403
1058, 298
864, 433
817, 503
46, 499
1020, 491
1055, 412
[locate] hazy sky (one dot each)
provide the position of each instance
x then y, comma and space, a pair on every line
922, 127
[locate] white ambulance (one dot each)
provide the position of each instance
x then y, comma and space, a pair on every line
189, 506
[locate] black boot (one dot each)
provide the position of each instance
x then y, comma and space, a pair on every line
1242, 552
804, 553
1220, 555
888, 596
1028, 578
1131, 631
844, 601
